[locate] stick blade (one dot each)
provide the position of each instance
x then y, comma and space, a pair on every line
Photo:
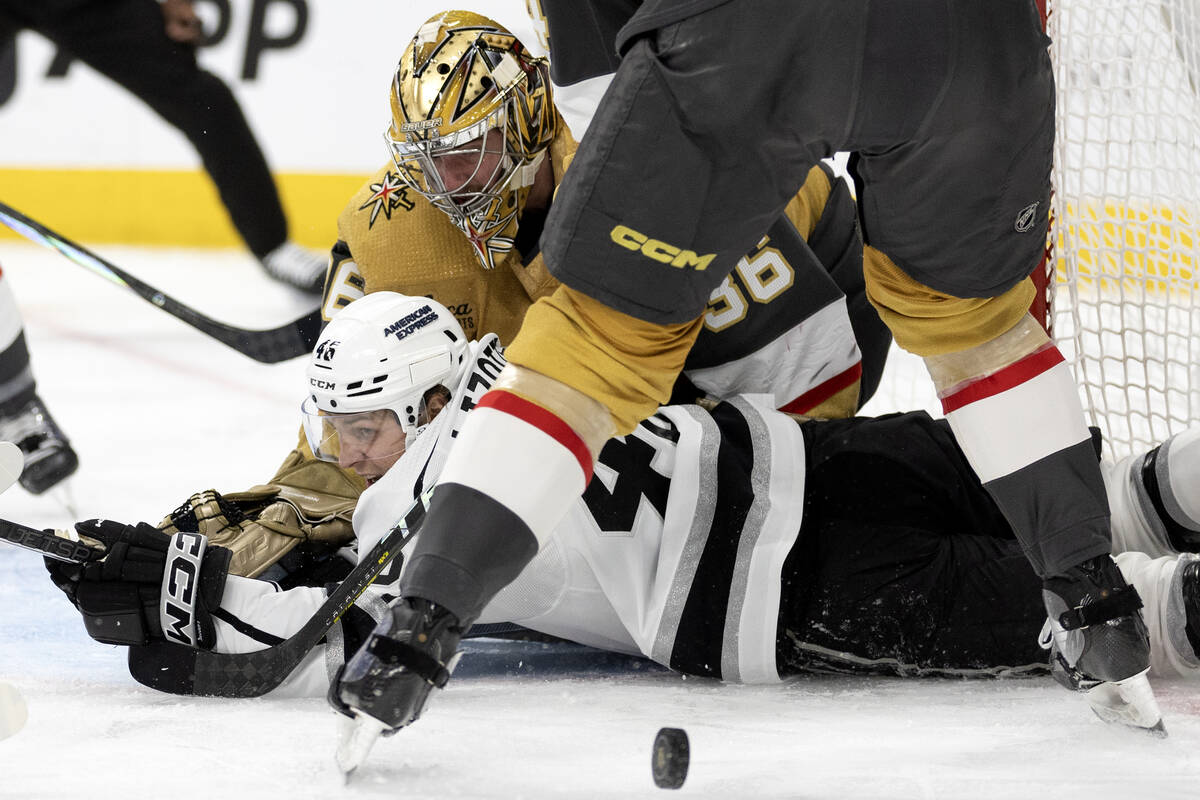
12, 461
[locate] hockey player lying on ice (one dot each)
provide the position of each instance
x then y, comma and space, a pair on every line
733, 542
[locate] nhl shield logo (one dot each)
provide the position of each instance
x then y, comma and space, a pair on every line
1026, 218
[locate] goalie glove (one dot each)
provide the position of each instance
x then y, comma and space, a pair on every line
148, 587
307, 501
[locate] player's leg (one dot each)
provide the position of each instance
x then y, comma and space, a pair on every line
1155, 509
904, 564
24, 420
905, 581
837, 243
8, 58
948, 273
125, 41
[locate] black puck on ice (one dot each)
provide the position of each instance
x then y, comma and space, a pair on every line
669, 761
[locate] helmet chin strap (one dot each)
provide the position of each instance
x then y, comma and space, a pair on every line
527, 174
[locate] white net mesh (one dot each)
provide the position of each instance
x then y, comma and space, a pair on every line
1126, 189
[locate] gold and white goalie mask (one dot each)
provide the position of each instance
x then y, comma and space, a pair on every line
472, 118
380, 373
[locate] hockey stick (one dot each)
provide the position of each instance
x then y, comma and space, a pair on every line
48, 543
12, 461
270, 346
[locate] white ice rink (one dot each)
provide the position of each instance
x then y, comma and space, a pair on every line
158, 411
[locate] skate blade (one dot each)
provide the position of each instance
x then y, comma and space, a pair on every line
356, 737
1130, 703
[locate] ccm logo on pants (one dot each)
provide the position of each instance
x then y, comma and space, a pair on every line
660, 251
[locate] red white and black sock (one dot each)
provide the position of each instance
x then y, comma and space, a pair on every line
515, 470
1022, 429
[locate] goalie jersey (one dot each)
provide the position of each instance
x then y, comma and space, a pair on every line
674, 551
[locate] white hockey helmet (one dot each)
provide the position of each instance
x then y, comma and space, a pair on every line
383, 352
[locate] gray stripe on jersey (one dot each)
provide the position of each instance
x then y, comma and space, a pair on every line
697, 538
760, 481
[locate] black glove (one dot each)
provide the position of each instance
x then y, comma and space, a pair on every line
148, 587
412, 650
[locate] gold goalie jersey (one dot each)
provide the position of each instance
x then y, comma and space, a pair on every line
392, 239
791, 319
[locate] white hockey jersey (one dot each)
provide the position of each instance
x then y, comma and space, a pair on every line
674, 551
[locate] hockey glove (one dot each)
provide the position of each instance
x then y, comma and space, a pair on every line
411, 651
148, 587
308, 502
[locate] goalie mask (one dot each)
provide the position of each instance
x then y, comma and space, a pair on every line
472, 118
383, 368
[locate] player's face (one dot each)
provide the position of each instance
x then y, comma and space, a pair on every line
369, 443
472, 168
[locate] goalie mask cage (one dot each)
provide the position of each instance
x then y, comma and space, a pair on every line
1126, 201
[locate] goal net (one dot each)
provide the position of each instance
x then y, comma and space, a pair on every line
1126, 191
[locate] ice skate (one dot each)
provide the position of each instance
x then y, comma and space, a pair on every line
294, 265
1099, 644
385, 686
49, 458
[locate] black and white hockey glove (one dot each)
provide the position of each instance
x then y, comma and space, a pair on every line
411, 651
148, 587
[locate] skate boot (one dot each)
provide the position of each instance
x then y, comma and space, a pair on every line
1099, 644
49, 458
386, 685
292, 264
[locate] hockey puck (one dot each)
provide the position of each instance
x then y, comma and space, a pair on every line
669, 761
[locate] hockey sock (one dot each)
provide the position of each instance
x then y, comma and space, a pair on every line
513, 473
1022, 430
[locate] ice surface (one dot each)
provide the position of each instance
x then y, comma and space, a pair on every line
158, 411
